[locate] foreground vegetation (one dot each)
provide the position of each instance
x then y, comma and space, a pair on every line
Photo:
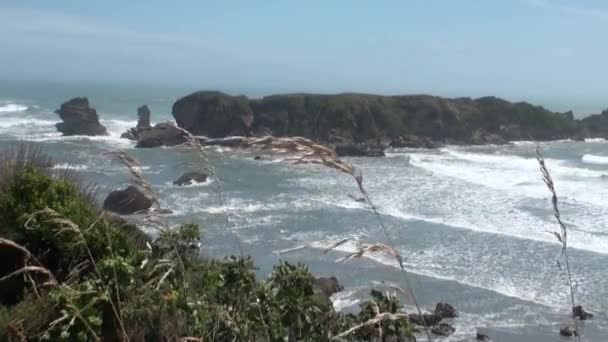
71, 272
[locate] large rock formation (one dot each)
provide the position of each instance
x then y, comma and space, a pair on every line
162, 134
130, 200
213, 114
79, 118
143, 123
410, 121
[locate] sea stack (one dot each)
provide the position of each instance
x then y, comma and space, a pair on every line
79, 118
143, 123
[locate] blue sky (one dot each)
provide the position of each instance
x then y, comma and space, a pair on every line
553, 52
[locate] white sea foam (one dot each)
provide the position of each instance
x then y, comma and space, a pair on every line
12, 107
594, 159
595, 140
66, 166
344, 300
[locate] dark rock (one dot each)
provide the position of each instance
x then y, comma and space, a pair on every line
482, 137
162, 134
428, 319
351, 118
567, 332
443, 329
329, 286
79, 118
163, 211
214, 114
482, 337
257, 158
143, 123
127, 201
413, 141
581, 314
224, 142
189, 177
445, 310
359, 150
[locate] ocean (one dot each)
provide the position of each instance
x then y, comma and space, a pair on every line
472, 223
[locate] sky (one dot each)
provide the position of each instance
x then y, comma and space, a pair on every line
552, 52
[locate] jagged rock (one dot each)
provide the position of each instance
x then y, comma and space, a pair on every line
428, 319
189, 177
128, 201
482, 337
143, 123
413, 141
580, 313
79, 118
445, 310
359, 150
162, 134
443, 329
567, 332
329, 286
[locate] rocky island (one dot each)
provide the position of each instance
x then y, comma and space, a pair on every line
363, 124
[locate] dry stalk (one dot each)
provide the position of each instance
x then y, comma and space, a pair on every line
562, 235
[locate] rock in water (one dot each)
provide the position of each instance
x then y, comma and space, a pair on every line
443, 329
162, 134
482, 337
329, 286
580, 313
128, 201
143, 123
567, 332
445, 310
189, 177
213, 114
79, 118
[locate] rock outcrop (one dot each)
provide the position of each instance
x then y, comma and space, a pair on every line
162, 134
143, 123
213, 114
443, 329
403, 121
130, 200
329, 286
190, 177
445, 310
79, 118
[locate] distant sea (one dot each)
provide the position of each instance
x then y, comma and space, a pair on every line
472, 223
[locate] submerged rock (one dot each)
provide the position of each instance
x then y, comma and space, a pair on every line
445, 310
162, 134
79, 118
359, 150
127, 201
567, 332
189, 177
482, 337
143, 123
443, 329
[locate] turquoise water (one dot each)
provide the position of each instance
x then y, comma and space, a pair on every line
470, 222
